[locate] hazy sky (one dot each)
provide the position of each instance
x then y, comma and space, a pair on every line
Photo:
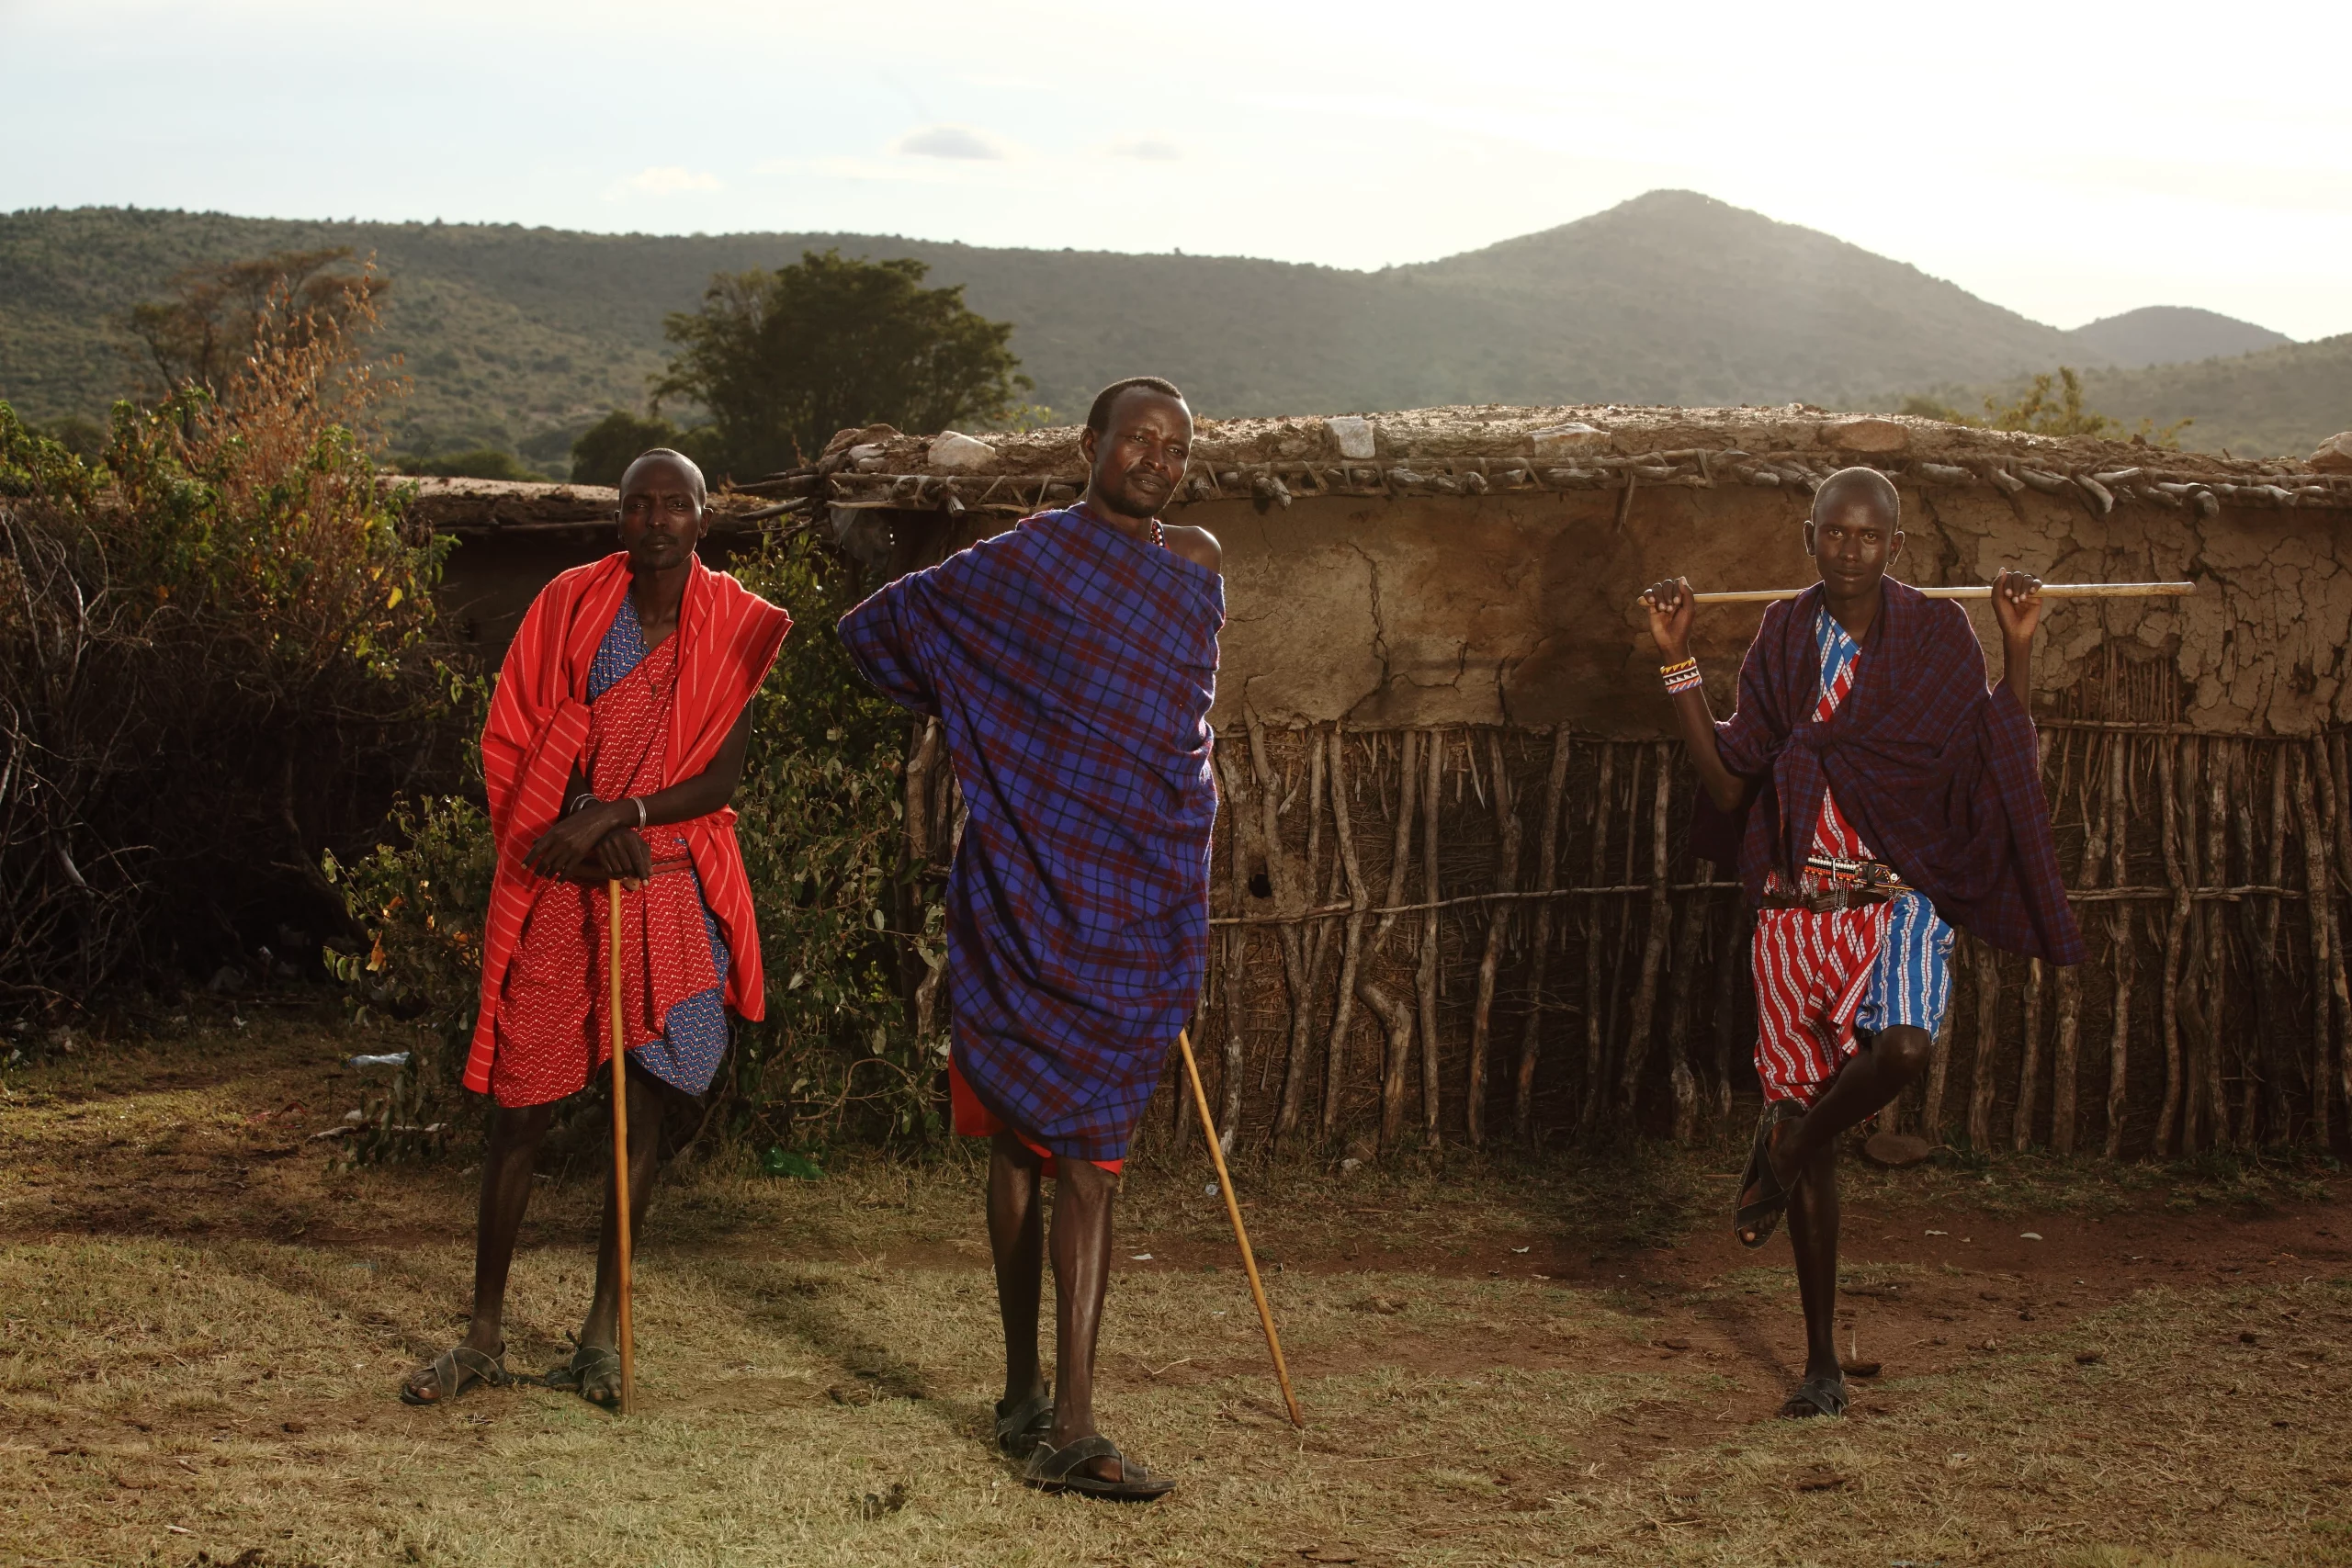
2068, 160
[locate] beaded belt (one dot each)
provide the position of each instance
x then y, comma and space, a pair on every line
1869, 874
1856, 885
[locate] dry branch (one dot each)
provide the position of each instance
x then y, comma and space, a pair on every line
1432, 782
2324, 970
1645, 1004
2029, 1058
2176, 931
1546, 880
1589, 1104
2125, 961
1981, 1079
1335, 1050
1393, 1081
1506, 832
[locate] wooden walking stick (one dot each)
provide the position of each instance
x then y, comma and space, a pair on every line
2048, 591
620, 1158
1241, 1233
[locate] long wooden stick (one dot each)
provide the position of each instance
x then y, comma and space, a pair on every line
620, 1159
1241, 1233
2048, 591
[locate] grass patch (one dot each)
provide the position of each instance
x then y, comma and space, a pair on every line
205, 1320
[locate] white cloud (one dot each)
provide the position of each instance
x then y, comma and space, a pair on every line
949, 141
1150, 149
665, 179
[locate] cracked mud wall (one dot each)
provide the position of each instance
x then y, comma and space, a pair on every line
1517, 609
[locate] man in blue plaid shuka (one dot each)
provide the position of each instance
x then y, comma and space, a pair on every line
1071, 663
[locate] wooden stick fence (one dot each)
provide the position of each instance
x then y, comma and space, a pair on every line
1393, 908
1427, 936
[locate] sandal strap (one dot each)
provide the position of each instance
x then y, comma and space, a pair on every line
1019, 1417
1056, 1464
1031, 1415
586, 1361
1824, 1394
456, 1370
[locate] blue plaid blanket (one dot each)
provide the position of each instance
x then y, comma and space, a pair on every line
1072, 668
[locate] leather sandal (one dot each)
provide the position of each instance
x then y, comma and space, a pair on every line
1059, 1469
453, 1372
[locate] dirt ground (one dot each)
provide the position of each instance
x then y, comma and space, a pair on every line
203, 1318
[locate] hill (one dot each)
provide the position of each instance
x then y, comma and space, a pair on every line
519, 337
2170, 334
2280, 402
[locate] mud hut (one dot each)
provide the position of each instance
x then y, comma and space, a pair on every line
1454, 901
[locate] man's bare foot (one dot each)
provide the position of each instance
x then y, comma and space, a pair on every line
1822, 1393
594, 1372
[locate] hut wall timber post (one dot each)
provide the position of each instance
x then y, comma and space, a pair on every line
1431, 614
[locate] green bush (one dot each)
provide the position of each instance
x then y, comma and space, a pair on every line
845, 920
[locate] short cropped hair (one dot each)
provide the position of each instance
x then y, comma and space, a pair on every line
1098, 418
1866, 484
663, 454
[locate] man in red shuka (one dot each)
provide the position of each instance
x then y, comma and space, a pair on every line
613, 745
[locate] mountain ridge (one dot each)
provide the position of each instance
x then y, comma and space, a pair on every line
515, 337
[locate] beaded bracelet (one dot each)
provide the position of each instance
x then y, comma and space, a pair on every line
1682, 677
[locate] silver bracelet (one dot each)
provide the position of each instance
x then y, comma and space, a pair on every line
582, 801
638, 801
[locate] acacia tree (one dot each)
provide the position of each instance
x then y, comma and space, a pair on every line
202, 334
781, 360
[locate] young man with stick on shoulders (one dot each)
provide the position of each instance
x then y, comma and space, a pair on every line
1888, 795
1071, 663
613, 744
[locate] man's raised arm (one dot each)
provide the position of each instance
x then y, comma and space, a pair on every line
1671, 608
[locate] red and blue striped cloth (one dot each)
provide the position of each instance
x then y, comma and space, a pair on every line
1822, 976
1072, 668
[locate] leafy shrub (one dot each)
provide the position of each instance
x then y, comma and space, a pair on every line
2052, 405
847, 922
218, 656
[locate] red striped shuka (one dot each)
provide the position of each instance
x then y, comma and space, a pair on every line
542, 724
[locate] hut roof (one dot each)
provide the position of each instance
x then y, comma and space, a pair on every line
1466, 449
509, 506
1482, 449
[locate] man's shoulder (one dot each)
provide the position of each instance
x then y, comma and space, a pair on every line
572, 580
1196, 545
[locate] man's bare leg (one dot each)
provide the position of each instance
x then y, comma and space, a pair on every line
1084, 1197
602, 1328
1804, 1156
1017, 1238
1813, 1234
507, 1168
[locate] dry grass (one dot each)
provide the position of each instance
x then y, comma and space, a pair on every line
205, 1322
